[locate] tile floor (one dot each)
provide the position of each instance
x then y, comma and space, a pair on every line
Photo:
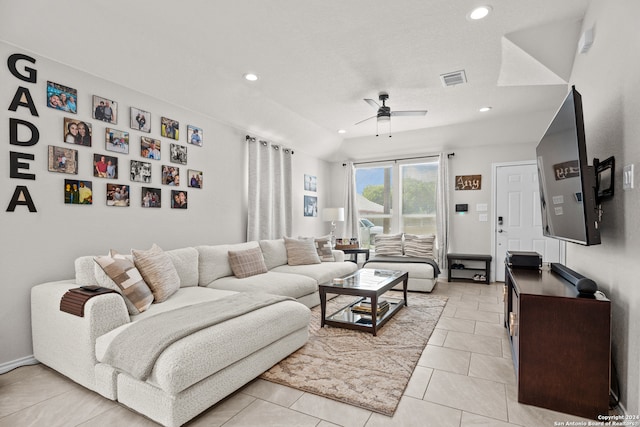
465, 377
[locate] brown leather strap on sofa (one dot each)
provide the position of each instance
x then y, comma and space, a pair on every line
73, 300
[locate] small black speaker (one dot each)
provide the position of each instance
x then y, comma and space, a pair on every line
586, 286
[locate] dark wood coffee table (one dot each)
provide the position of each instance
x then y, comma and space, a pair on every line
367, 284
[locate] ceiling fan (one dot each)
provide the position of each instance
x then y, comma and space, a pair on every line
384, 113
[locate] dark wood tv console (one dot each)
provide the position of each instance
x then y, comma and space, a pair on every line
560, 343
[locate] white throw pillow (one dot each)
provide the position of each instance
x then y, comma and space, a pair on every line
301, 251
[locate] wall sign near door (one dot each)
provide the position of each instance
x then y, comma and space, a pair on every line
468, 182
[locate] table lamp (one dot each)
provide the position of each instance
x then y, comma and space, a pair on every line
333, 215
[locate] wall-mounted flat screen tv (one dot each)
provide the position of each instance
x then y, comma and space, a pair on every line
567, 182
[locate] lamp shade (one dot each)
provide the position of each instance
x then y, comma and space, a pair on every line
333, 214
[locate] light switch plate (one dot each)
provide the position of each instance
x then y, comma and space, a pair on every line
481, 207
627, 177
483, 217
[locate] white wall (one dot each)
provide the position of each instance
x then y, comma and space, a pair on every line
608, 77
39, 247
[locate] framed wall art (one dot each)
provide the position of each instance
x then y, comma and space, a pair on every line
170, 128
63, 98
118, 195
178, 154
116, 140
140, 120
170, 175
105, 109
195, 135
178, 199
310, 183
310, 206
140, 171
150, 148
194, 178
105, 166
78, 192
63, 160
151, 197
77, 132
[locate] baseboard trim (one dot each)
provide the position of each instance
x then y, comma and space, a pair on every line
13, 364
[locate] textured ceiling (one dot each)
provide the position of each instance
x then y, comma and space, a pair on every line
318, 60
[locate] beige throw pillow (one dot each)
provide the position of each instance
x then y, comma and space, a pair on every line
323, 248
301, 252
389, 244
158, 271
419, 245
247, 263
123, 276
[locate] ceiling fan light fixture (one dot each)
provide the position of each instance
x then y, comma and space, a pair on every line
384, 119
479, 12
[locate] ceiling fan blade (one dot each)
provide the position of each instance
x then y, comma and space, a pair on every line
362, 121
373, 103
409, 113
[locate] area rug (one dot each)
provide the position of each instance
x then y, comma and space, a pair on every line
355, 367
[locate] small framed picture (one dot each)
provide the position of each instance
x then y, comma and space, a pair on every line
170, 175
116, 140
140, 171
151, 197
140, 120
194, 178
194, 135
63, 160
149, 148
310, 206
170, 128
117, 195
62, 98
178, 199
77, 132
78, 192
178, 154
105, 166
105, 109
310, 183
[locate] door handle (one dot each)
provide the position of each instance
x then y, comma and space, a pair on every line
501, 231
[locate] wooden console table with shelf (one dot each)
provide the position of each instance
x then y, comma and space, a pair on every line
560, 343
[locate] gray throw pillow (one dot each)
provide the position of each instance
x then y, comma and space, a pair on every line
419, 245
389, 244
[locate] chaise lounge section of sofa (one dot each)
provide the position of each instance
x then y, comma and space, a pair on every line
197, 371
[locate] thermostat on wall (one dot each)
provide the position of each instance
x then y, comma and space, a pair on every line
462, 208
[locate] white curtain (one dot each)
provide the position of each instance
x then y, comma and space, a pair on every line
351, 223
442, 213
270, 209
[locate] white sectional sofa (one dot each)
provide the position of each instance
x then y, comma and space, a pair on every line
195, 372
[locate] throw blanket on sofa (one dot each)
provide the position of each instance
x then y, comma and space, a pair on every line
136, 349
405, 259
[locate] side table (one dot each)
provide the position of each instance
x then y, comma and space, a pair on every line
355, 253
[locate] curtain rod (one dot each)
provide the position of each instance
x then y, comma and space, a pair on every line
449, 155
275, 146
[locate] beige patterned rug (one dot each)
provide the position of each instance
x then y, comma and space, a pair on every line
355, 367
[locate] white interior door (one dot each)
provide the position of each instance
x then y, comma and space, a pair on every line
518, 219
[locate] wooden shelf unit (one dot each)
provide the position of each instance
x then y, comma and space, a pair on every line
477, 261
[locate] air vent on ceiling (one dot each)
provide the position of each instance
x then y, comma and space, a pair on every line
452, 79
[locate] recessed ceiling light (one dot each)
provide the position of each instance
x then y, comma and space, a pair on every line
251, 77
484, 109
342, 131
479, 12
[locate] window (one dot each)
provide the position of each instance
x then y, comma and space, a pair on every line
416, 182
